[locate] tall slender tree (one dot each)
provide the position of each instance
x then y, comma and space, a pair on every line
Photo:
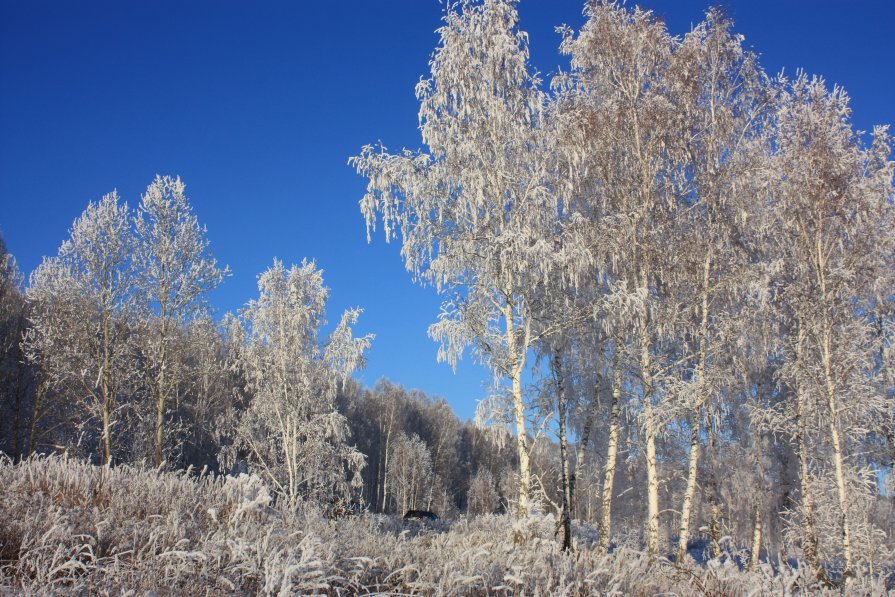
175, 270
471, 212
828, 196
82, 316
626, 129
291, 430
724, 98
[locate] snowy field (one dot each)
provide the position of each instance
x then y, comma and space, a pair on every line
71, 528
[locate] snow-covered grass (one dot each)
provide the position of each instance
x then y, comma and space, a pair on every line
69, 527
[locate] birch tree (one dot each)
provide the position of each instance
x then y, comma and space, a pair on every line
724, 98
626, 126
829, 193
291, 431
81, 315
409, 472
175, 270
471, 210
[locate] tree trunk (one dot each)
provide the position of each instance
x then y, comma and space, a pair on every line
714, 495
835, 436
582, 447
848, 571
609, 469
107, 434
516, 362
690, 491
385, 471
649, 431
36, 415
756, 538
563, 453
809, 541
701, 395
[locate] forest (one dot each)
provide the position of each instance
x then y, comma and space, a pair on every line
677, 267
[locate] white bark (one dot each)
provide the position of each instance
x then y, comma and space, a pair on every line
649, 432
610, 465
565, 516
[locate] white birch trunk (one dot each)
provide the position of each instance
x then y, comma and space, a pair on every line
690, 491
566, 520
833, 407
609, 470
756, 539
714, 495
649, 431
835, 436
516, 363
693, 466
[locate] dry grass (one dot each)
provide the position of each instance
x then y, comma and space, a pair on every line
67, 527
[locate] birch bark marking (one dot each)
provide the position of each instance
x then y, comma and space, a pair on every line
649, 430
693, 466
516, 364
832, 405
609, 469
566, 520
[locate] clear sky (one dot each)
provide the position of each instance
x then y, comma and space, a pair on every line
258, 105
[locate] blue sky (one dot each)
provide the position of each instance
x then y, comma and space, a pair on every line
258, 105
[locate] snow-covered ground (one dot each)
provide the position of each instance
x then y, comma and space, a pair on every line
67, 527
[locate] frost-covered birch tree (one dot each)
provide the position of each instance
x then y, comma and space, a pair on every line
175, 270
626, 127
82, 315
724, 98
471, 210
829, 193
409, 473
291, 432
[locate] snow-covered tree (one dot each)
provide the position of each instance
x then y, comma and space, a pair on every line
724, 99
175, 270
829, 196
472, 211
623, 130
410, 473
291, 431
81, 314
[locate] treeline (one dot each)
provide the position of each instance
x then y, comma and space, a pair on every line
690, 257
110, 354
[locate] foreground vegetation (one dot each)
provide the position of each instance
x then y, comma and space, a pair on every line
70, 527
